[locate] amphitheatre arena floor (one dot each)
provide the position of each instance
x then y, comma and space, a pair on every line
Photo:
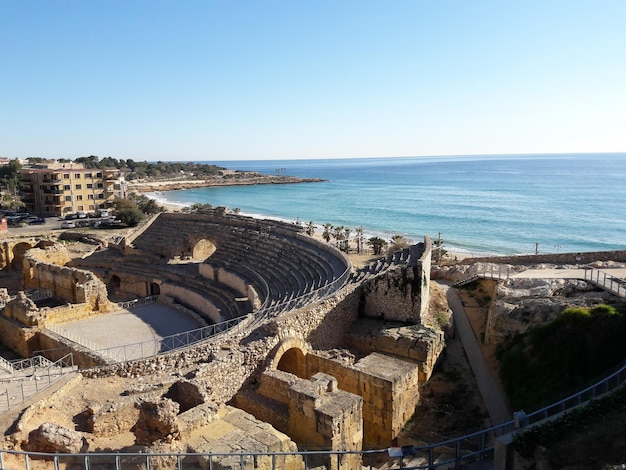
141, 324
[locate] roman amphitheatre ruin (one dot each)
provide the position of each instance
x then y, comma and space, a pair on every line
209, 336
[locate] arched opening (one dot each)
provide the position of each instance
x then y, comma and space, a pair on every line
155, 288
203, 249
294, 362
114, 284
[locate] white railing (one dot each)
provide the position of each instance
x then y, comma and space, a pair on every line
146, 349
604, 280
38, 373
446, 454
74, 337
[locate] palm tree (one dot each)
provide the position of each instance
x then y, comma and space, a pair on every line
377, 244
338, 233
359, 239
326, 234
398, 242
346, 234
310, 228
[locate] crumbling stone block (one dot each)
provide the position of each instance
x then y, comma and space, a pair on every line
50, 437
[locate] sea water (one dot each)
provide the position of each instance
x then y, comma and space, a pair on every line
479, 204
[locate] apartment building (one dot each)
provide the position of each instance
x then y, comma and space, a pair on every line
64, 188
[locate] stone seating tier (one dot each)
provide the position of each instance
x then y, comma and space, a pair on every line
289, 264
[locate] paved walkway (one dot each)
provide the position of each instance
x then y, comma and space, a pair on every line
493, 395
565, 273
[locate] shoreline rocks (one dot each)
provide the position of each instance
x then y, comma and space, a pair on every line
247, 180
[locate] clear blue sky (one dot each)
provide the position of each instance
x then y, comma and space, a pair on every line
202, 80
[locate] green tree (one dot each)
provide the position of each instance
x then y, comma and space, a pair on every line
326, 235
359, 239
377, 244
310, 228
439, 252
130, 216
120, 204
398, 242
346, 238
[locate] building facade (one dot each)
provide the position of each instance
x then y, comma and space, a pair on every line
65, 188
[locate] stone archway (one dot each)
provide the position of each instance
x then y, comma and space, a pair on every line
290, 356
155, 288
202, 249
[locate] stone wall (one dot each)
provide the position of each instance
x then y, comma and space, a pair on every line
233, 281
315, 412
74, 285
16, 337
552, 258
396, 295
419, 344
192, 300
389, 388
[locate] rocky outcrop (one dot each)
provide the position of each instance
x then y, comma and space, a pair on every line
520, 304
50, 437
157, 421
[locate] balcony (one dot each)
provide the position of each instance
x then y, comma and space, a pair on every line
52, 191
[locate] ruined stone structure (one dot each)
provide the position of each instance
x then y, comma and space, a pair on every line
327, 361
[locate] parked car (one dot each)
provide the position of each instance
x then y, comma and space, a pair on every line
81, 215
32, 220
68, 224
71, 217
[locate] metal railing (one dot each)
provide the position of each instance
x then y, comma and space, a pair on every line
33, 295
146, 349
604, 280
37, 374
486, 272
74, 337
465, 449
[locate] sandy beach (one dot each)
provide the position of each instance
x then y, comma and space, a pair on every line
357, 259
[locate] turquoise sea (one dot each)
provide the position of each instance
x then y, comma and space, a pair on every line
480, 204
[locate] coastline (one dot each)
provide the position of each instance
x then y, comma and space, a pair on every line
226, 180
359, 260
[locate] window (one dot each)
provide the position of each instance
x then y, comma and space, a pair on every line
68, 198
91, 207
78, 186
99, 175
81, 208
100, 185
66, 187
89, 185
66, 176
77, 176
90, 196
79, 197
87, 175
101, 196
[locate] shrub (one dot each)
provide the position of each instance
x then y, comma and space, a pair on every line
130, 216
